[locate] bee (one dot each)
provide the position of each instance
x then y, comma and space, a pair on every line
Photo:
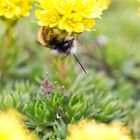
59, 42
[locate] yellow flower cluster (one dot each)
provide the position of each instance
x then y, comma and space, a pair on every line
11, 127
70, 15
14, 8
91, 130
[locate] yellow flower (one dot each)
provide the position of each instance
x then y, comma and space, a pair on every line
88, 24
12, 128
46, 5
48, 18
88, 8
75, 23
70, 15
103, 4
14, 8
91, 130
72, 23
64, 6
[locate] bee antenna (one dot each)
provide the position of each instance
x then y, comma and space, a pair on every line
80, 63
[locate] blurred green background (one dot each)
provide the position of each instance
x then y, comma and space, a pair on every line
110, 55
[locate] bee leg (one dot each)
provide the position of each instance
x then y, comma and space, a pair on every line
64, 57
38, 42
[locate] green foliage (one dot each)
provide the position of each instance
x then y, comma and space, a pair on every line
16, 59
16, 95
49, 114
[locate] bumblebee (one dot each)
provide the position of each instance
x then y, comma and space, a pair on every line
59, 41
